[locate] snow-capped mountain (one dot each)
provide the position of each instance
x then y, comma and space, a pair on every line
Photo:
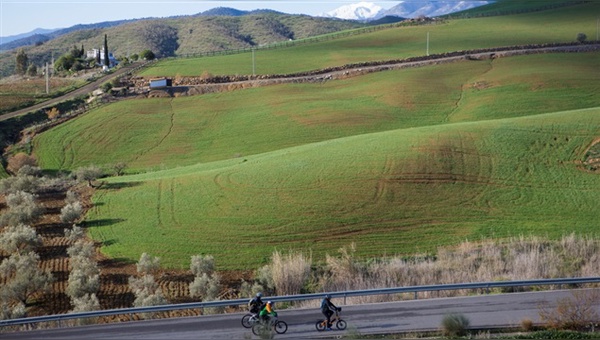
366, 11
414, 9
359, 11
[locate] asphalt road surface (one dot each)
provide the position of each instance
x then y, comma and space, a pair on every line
483, 312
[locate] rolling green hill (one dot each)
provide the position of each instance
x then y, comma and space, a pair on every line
399, 162
403, 191
167, 133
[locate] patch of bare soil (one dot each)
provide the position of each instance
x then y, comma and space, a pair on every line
114, 291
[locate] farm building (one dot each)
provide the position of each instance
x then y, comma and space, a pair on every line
160, 83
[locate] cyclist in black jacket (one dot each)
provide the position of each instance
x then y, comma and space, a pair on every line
328, 308
255, 305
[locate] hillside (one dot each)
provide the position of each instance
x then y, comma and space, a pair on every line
180, 36
252, 162
399, 162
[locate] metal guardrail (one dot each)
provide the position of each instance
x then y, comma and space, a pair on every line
303, 297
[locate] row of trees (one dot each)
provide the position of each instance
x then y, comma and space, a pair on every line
20, 270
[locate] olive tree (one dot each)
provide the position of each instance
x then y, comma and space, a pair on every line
71, 212
206, 284
147, 292
23, 278
22, 208
19, 239
84, 277
88, 174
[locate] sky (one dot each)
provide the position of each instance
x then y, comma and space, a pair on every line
23, 16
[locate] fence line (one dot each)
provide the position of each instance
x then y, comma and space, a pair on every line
289, 298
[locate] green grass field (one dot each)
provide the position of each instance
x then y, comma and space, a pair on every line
397, 192
165, 133
399, 162
559, 25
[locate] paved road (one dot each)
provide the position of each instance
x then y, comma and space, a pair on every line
80, 91
488, 311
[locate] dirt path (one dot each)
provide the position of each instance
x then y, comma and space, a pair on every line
196, 86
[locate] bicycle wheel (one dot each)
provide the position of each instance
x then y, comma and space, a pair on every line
247, 320
320, 325
258, 329
341, 324
280, 327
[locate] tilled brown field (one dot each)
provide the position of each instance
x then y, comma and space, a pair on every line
114, 291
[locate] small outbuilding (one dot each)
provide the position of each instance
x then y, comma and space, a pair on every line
160, 83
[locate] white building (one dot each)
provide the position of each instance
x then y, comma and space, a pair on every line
93, 54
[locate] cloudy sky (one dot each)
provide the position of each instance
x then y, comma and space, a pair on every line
22, 16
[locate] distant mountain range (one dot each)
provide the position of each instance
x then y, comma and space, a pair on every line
362, 11
368, 11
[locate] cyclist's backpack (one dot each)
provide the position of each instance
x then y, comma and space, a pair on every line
324, 305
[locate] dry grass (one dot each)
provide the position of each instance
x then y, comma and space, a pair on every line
519, 258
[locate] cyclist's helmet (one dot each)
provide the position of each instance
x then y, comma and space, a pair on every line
328, 296
269, 303
258, 294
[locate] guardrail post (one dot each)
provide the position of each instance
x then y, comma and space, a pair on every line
344, 298
416, 296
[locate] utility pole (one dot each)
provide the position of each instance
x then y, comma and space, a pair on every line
597, 28
427, 43
47, 79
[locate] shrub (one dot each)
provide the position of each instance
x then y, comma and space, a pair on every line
454, 325
289, 272
526, 325
71, 212
581, 37
577, 312
11, 311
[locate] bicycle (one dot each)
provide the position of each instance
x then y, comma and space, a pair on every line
250, 320
336, 320
275, 324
